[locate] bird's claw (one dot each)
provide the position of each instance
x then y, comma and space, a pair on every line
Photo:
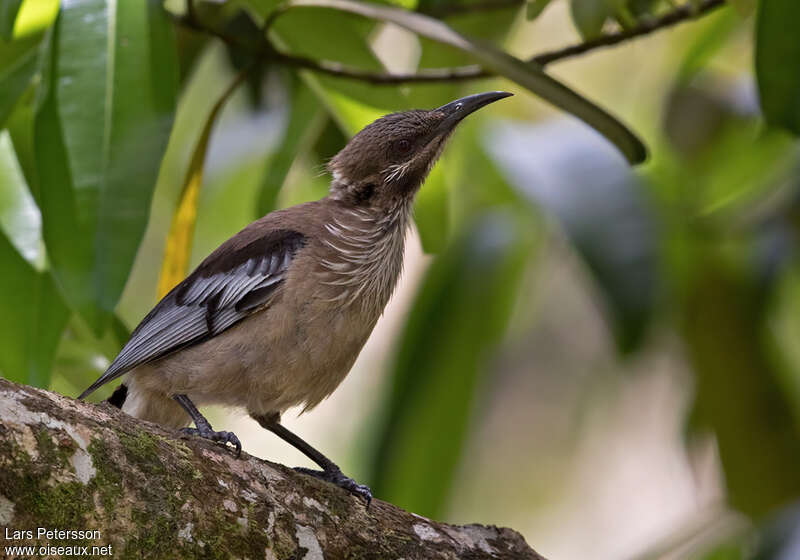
224, 437
338, 478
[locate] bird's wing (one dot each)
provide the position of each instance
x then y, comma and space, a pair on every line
228, 286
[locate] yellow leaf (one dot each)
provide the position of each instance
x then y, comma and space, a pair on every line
179, 241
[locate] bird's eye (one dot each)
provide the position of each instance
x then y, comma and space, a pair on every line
402, 146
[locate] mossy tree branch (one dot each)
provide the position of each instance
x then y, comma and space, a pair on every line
66, 465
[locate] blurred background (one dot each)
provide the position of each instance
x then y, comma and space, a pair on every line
602, 356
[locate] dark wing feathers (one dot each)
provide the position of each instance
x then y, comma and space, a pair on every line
233, 282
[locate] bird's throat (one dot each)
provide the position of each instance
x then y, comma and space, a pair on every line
364, 254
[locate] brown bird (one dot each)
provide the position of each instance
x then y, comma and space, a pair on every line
276, 316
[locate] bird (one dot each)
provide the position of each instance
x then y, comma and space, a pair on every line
276, 316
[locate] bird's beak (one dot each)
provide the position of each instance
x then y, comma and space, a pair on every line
455, 111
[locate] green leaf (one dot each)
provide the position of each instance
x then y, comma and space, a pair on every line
535, 8
307, 33
589, 16
101, 131
714, 31
458, 317
82, 357
476, 181
33, 315
737, 385
493, 26
463, 185
353, 104
639, 8
729, 161
431, 211
20, 128
739, 169
596, 198
777, 53
528, 75
744, 7
20, 57
14, 79
8, 15
304, 120
20, 219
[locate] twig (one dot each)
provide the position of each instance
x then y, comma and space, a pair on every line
276, 12
458, 9
686, 12
339, 70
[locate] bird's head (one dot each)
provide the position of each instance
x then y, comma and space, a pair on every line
389, 159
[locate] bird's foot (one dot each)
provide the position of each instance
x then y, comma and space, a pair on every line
208, 433
337, 477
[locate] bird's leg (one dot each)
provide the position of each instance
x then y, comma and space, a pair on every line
203, 428
330, 471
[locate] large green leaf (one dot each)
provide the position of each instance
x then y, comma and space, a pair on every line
33, 315
728, 160
306, 32
464, 183
777, 53
82, 357
745, 7
20, 53
474, 179
14, 78
432, 211
20, 128
100, 133
20, 219
528, 75
32, 309
596, 198
304, 120
739, 394
714, 31
8, 15
457, 319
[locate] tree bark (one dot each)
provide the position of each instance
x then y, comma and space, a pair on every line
152, 493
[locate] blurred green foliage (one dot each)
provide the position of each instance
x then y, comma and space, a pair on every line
102, 104
780, 91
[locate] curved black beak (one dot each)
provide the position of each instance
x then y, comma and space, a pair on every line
455, 111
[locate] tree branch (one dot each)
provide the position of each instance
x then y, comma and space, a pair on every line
67, 465
686, 12
442, 11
